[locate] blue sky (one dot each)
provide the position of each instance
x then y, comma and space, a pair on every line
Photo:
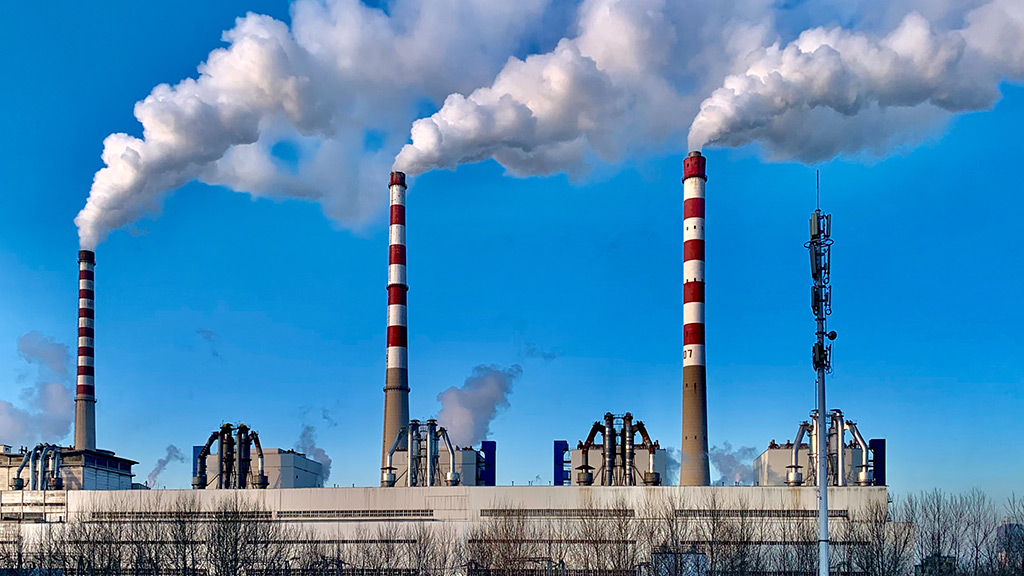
926, 279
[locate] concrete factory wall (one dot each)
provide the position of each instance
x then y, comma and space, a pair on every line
351, 513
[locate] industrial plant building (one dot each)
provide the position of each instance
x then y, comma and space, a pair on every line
615, 474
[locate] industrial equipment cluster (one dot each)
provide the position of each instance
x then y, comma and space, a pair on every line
423, 477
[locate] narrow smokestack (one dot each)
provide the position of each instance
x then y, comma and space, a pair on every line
396, 386
85, 395
694, 469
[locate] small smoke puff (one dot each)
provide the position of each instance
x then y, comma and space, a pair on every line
43, 351
49, 402
211, 338
533, 350
174, 454
673, 465
307, 445
467, 411
735, 466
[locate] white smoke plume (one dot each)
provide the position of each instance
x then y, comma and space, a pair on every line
832, 90
307, 445
734, 466
47, 406
338, 87
635, 74
467, 412
174, 454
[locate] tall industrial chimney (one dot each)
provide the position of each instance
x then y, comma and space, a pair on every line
85, 394
694, 470
396, 385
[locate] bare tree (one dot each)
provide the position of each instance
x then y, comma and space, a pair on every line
881, 540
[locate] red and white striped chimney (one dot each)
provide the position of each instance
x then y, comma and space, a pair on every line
396, 387
694, 470
85, 393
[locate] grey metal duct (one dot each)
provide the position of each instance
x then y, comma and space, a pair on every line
199, 482
627, 449
585, 477
794, 477
609, 449
453, 476
864, 476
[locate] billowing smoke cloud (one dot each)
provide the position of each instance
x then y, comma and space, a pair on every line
307, 445
467, 412
734, 466
174, 454
318, 110
47, 406
315, 111
833, 90
617, 84
634, 75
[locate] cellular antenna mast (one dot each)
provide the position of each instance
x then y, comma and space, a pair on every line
820, 246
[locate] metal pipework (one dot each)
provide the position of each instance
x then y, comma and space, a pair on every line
56, 479
414, 453
32, 478
199, 481
244, 458
431, 451
585, 477
627, 448
43, 454
864, 475
453, 476
793, 476
387, 472
609, 449
839, 424
17, 483
261, 481
651, 478
225, 457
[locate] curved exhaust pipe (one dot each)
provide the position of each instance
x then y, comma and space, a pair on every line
865, 477
261, 481
43, 454
585, 477
199, 481
453, 476
651, 478
794, 477
32, 475
17, 483
387, 472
